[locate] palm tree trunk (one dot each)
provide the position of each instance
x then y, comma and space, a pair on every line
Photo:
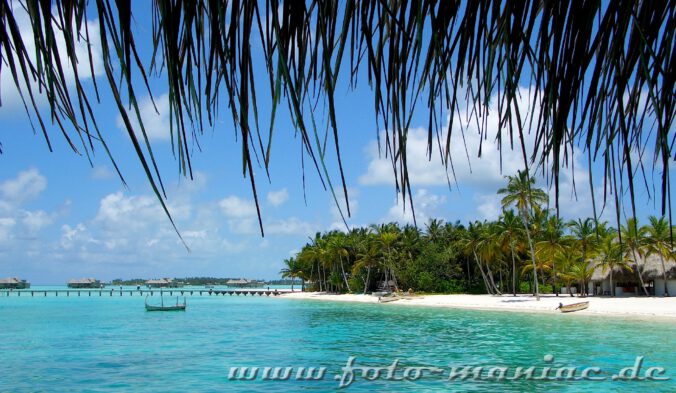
554, 278
469, 274
368, 279
532, 255
490, 276
612, 287
483, 275
511, 246
343, 271
389, 266
664, 276
638, 271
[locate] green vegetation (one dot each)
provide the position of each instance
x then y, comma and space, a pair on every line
532, 250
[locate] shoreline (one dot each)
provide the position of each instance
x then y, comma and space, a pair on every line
644, 308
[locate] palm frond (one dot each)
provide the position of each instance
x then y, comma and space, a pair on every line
602, 75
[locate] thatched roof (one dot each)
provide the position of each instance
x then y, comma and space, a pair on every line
241, 281
159, 281
82, 281
651, 268
10, 280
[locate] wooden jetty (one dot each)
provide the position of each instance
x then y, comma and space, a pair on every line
138, 292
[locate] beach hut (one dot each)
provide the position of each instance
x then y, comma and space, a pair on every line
14, 283
626, 282
85, 283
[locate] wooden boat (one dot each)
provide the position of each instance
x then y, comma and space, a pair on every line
177, 307
387, 299
573, 307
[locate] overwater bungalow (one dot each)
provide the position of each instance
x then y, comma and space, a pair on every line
14, 283
239, 283
626, 282
85, 283
164, 283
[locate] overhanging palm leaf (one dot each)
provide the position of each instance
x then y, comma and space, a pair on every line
602, 74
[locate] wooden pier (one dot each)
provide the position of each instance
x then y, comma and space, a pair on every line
139, 292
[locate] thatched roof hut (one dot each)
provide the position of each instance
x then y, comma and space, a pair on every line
240, 282
164, 283
84, 283
13, 283
651, 269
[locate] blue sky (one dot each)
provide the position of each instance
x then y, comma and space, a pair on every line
61, 218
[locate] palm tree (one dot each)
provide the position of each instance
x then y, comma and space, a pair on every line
337, 247
434, 229
472, 244
520, 191
552, 243
509, 229
582, 271
387, 239
659, 242
290, 271
635, 243
368, 257
567, 257
585, 235
610, 252
207, 49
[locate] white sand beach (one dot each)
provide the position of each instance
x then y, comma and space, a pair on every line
637, 307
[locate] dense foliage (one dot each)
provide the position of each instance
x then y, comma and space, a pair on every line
492, 257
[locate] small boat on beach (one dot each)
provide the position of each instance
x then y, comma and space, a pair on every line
177, 307
573, 307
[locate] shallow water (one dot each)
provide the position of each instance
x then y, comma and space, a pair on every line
113, 344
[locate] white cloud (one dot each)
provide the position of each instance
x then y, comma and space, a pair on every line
352, 193
72, 236
11, 100
290, 226
427, 205
235, 207
6, 226
243, 226
156, 123
488, 206
278, 198
485, 172
27, 186
34, 221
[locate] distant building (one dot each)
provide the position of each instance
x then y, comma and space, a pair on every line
241, 282
14, 283
164, 283
85, 283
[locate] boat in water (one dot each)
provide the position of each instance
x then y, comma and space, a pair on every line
573, 307
177, 307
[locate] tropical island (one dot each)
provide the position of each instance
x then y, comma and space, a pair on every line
530, 250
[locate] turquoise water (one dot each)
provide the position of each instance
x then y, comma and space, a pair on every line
113, 344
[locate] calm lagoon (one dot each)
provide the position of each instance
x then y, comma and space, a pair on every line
112, 344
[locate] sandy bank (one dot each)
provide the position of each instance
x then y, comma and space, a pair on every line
638, 307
